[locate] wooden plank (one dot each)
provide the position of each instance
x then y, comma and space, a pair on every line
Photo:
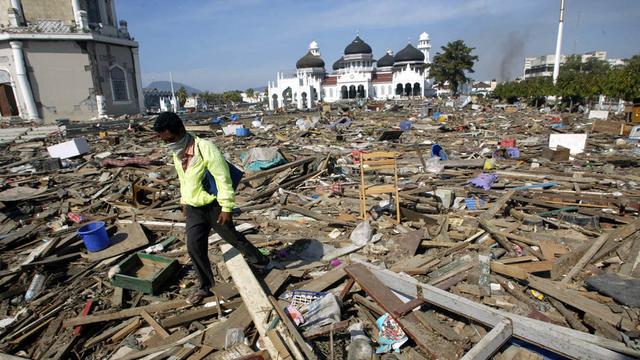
325, 280
509, 270
569, 315
252, 293
153, 350
239, 318
125, 331
315, 215
127, 313
154, 324
501, 239
189, 316
574, 299
602, 327
558, 339
306, 349
497, 205
107, 333
615, 236
429, 320
408, 243
484, 281
491, 342
390, 303
534, 266
593, 249
202, 353
279, 344
455, 271
631, 265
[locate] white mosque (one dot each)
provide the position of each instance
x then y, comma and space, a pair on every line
356, 75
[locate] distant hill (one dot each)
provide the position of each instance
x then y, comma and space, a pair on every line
166, 86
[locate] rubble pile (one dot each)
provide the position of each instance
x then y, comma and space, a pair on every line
518, 238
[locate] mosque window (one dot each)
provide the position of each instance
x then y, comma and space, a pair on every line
118, 84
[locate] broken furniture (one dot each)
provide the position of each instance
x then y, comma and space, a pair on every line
145, 272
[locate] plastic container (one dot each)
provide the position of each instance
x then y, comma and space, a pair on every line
243, 132
95, 236
35, 287
360, 347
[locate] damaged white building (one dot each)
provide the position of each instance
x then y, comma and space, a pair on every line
67, 59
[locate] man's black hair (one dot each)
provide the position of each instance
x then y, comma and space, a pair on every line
169, 121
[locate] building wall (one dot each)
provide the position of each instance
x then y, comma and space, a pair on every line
7, 64
108, 56
60, 77
48, 9
5, 5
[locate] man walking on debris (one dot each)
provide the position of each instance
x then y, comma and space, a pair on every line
192, 156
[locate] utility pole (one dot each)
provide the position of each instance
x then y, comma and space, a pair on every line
556, 65
174, 103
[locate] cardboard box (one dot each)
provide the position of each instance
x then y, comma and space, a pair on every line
69, 149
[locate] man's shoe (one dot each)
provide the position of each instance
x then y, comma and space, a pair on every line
197, 297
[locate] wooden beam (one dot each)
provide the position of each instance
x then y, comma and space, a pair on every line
558, 339
306, 349
491, 342
252, 293
325, 280
127, 313
154, 324
617, 235
391, 304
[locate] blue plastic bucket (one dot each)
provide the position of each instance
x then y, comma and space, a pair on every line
243, 132
95, 236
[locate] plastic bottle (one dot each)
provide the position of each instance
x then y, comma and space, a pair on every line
360, 347
35, 287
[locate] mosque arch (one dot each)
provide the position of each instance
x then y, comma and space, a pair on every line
287, 96
360, 92
407, 89
274, 101
399, 89
352, 92
344, 92
303, 98
417, 91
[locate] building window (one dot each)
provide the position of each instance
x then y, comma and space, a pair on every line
118, 84
93, 12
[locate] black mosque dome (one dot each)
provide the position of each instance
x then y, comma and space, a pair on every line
339, 64
357, 46
310, 61
386, 60
409, 53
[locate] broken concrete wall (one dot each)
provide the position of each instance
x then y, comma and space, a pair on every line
108, 57
60, 77
35, 10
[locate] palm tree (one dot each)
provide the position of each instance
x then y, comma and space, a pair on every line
182, 95
451, 65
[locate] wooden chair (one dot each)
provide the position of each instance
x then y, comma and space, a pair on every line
378, 161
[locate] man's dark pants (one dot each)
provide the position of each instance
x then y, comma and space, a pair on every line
200, 221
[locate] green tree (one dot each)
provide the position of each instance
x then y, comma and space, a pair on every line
232, 96
181, 94
452, 64
249, 92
